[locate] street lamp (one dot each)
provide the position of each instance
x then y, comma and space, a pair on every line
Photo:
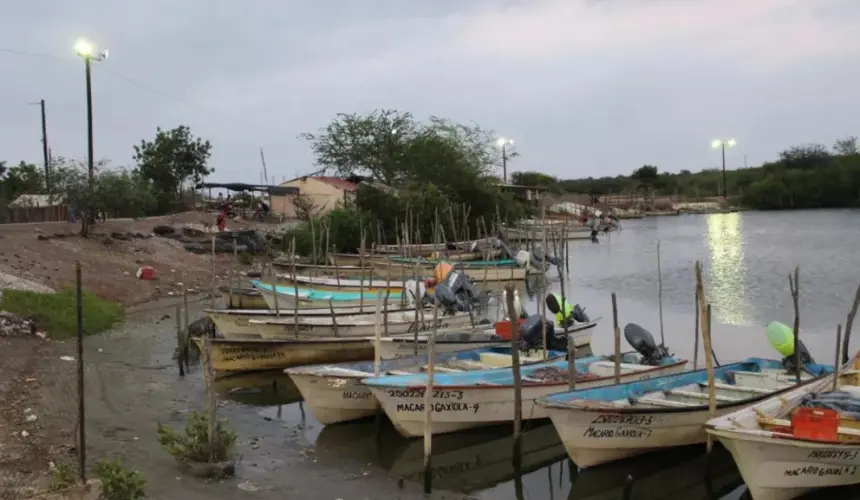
85, 49
504, 143
721, 144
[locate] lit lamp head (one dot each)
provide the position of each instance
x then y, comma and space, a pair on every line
504, 142
84, 48
719, 143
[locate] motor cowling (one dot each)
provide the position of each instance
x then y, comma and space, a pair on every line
455, 292
643, 342
790, 362
531, 334
579, 315
410, 287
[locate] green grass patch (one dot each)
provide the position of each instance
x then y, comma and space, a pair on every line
56, 313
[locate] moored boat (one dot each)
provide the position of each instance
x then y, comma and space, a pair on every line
611, 423
799, 441
369, 285
467, 400
334, 392
477, 274
360, 325
317, 299
243, 355
243, 297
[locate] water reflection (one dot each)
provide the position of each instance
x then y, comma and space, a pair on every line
268, 388
726, 269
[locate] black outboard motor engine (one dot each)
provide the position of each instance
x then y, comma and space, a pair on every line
448, 301
579, 315
643, 342
790, 362
531, 336
456, 292
538, 256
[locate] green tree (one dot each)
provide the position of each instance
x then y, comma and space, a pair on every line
646, 174
172, 158
847, 146
23, 178
532, 179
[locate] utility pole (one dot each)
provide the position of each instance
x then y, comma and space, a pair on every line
504, 143
45, 155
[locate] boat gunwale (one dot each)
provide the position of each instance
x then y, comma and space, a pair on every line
524, 384
285, 341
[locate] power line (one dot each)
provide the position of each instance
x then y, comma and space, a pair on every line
139, 84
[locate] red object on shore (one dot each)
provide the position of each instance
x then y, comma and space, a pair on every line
503, 328
221, 221
820, 424
146, 273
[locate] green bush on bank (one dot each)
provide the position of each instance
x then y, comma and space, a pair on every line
56, 313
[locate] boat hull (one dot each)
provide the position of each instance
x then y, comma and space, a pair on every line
289, 302
476, 274
233, 356
456, 408
403, 347
325, 327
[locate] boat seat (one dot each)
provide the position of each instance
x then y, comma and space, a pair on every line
661, 402
443, 369
467, 364
398, 372
698, 395
737, 388
497, 359
336, 370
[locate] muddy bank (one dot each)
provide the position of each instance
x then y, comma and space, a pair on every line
133, 382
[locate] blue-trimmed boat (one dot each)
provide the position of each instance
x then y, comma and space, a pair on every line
611, 423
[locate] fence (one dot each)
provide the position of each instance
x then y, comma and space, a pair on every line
56, 213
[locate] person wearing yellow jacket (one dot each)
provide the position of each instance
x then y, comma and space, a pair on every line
563, 314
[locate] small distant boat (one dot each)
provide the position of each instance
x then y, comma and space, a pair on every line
334, 394
535, 234
777, 459
476, 274
399, 346
234, 323
611, 423
466, 400
230, 356
359, 325
345, 284
317, 299
418, 248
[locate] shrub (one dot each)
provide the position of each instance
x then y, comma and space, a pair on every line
191, 444
57, 312
119, 483
62, 477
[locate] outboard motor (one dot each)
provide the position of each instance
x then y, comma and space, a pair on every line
456, 292
538, 256
448, 300
790, 362
781, 337
531, 335
643, 342
523, 258
579, 315
409, 287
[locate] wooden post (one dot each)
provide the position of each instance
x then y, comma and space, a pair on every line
846, 339
660, 294
515, 361
571, 343
542, 295
180, 345
275, 296
616, 332
696, 343
706, 339
233, 271
377, 358
333, 318
794, 286
214, 287
313, 242
361, 274
836, 358
295, 286
428, 403
385, 305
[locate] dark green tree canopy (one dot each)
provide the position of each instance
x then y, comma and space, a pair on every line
171, 159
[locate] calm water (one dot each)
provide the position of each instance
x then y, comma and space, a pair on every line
746, 260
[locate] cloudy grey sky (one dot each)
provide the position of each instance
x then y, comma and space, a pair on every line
584, 87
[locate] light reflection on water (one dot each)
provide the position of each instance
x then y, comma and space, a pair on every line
725, 269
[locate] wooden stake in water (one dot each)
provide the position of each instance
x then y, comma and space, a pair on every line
515, 361
333, 318
542, 295
428, 403
180, 347
376, 341
361, 274
295, 287
696, 343
214, 288
616, 332
836, 358
185, 300
794, 286
275, 294
846, 340
706, 339
660, 294
82, 414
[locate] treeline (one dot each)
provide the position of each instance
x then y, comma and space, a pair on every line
165, 167
806, 176
417, 173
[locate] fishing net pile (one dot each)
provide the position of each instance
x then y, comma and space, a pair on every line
846, 401
551, 374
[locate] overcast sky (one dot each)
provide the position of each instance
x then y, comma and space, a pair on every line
585, 88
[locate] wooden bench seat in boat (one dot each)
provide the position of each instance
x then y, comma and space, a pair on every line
666, 403
736, 388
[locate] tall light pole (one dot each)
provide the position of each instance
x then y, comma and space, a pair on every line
721, 144
45, 155
504, 143
87, 51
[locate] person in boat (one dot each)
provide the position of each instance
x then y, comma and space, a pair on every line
562, 314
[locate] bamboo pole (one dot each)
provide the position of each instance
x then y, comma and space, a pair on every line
849, 322
361, 274
836, 357
428, 403
233, 271
660, 294
794, 286
180, 343
333, 318
696, 343
313, 242
706, 339
515, 361
616, 332
185, 298
275, 293
376, 341
543, 294
295, 287
214, 287
571, 343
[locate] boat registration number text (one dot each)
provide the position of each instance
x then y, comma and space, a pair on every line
624, 419
619, 432
355, 395
419, 393
833, 454
814, 470
439, 407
